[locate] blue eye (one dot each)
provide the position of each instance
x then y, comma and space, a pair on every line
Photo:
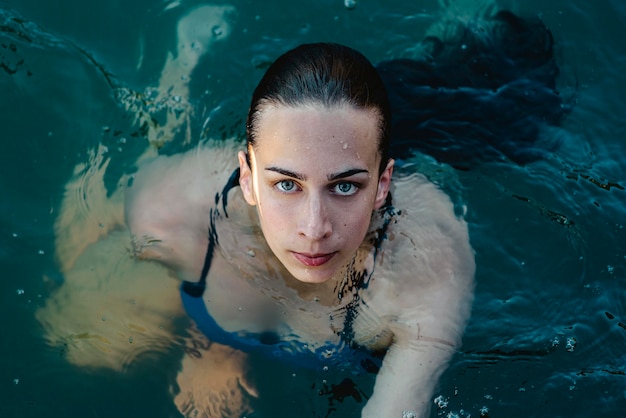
345, 189
286, 186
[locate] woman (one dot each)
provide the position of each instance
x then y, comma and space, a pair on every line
303, 247
317, 257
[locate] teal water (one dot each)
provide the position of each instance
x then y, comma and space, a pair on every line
547, 336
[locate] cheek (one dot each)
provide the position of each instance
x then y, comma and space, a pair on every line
354, 224
275, 218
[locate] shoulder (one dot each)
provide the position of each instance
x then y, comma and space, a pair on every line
426, 251
168, 203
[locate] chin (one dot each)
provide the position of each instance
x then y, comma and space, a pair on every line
313, 275
312, 278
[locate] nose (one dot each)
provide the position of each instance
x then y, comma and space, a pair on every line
314, 222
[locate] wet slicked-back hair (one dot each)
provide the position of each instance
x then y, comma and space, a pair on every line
323, 74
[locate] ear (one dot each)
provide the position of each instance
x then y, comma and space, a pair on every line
384, 182
245, 178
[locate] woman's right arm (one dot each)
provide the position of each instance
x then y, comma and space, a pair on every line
167, 207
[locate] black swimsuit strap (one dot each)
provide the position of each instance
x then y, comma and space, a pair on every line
196, 289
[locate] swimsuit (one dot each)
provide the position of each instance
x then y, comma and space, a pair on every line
345, 355
329, 356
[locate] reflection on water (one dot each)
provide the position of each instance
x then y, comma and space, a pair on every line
547, 331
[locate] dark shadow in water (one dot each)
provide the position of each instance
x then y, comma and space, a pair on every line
484, 93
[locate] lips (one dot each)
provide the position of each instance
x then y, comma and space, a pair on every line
313, 260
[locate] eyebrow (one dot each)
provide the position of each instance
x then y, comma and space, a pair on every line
331, 177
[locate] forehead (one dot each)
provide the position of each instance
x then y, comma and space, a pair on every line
317, 131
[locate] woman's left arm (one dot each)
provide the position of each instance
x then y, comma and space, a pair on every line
425, 290
407, 380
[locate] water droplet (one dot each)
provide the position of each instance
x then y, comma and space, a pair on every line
325, 368
14, 235
251, 253
217, 30
16, 381
345, 145
40, 252
409, 414
130, 340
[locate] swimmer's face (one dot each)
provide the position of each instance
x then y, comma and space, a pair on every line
314, 178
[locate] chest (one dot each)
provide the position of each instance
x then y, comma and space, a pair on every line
243, 305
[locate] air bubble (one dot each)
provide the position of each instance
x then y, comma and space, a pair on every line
350, 4
571, 344
441, 402
20, 291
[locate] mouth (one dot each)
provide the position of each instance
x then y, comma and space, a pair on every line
313, 260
